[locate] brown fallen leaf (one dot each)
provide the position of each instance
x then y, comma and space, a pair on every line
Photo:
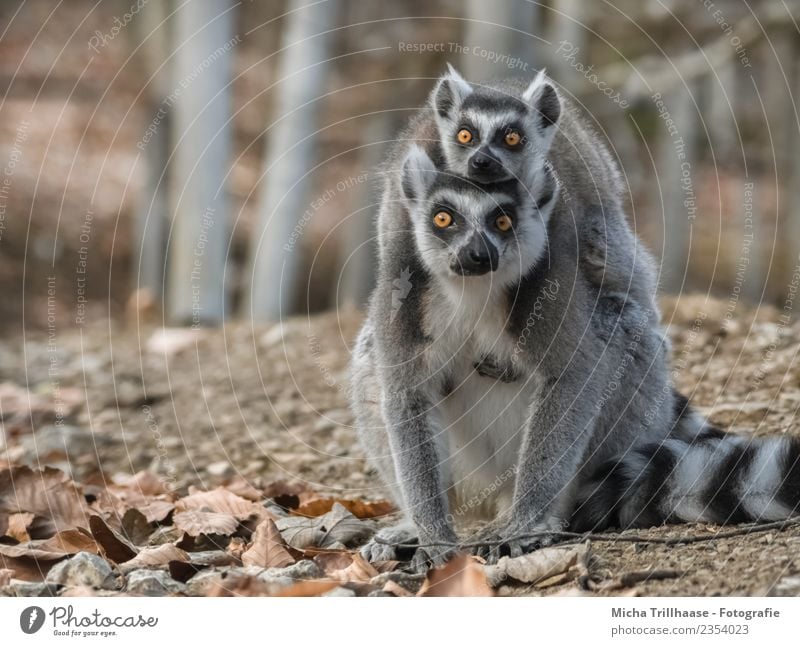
197, 522
156, 510
115, 547
56, 547
156, 557
242, 488
268, 548
359, 571
26, 569
145, 483
239, 586
49, 494
317, 506
558, 563
218, 500
462, 576
330, 560
333, 530
135, 527
311, 588
18, 525
5, 577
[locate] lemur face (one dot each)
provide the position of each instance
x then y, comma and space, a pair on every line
463, 229
489, 136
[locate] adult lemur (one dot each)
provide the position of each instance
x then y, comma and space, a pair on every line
499, 374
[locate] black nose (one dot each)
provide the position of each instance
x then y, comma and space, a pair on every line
476, 258
479, 256
482, 161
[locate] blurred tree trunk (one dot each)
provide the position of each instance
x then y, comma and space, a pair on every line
776, 90
290, 157
500, 29
359, 244
202, 143
677, 170
152, 31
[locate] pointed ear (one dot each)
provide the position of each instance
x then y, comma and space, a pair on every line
543, 98
418, 174
450, 92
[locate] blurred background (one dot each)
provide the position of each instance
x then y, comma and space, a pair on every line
186, 162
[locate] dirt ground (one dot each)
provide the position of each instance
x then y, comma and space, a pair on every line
270, 404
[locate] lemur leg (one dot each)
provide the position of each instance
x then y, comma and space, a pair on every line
554, 442
395, 429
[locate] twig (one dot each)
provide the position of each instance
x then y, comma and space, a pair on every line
612, 538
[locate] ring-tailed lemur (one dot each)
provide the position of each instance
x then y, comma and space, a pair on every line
502, 368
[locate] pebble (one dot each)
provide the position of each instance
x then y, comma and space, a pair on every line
83, 569
153, 583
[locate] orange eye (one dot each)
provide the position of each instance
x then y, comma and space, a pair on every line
464, 136
443, 219
504, 223
513, 138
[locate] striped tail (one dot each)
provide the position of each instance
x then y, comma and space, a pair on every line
718, 477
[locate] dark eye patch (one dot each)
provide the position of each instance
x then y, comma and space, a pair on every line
500, 136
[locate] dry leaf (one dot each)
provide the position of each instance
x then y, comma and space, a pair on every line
539, 566
268, 548
219, 500
145, 483
331, 560
195, 523
316, 506
462, 576
115, 547
18, 526
239, 586
5, 577
135, 527
155, 511
359, 571
241, 487
156, 557
54, 548
333, 530
26, 569
49, 494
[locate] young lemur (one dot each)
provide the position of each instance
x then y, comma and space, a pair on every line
504, 382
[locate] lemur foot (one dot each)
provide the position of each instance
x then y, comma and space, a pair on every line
512, 540
426, 558
389, 544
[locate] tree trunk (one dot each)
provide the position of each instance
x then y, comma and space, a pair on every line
199, 237
290, 157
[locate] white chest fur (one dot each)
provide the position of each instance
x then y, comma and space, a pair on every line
482, 420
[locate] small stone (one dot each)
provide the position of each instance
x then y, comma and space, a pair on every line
83, 569
153, 583
200, 583
339, 592
221, 469
787, 587
306, 569
29, 589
